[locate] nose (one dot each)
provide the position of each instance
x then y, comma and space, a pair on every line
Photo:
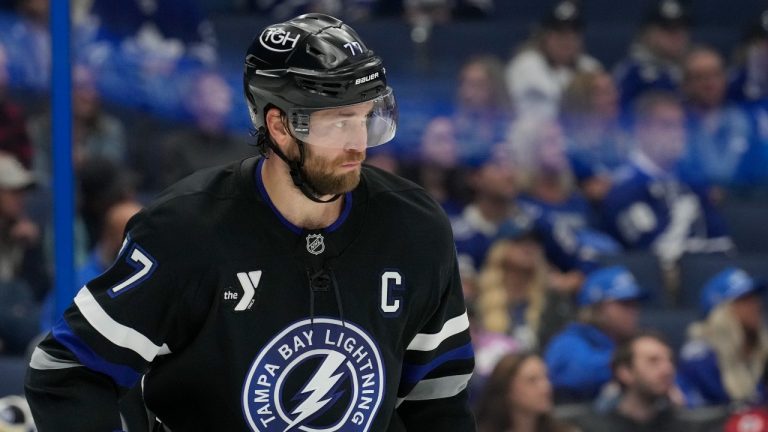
357, 138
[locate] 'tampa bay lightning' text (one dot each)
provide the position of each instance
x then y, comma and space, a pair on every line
305, 342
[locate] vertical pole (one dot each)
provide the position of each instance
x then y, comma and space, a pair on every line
63, 178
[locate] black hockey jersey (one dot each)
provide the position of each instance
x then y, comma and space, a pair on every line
234, 319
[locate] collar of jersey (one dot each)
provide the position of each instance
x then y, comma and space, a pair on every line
296, 229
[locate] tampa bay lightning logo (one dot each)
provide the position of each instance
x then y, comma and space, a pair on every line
315, 376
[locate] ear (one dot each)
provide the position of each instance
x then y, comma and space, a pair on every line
277, 129
624, 375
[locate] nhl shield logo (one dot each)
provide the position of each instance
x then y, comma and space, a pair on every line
315, 244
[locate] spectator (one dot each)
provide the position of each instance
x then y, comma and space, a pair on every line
142, 48
725, 356
516, 295
720, 135
28, 45
157, 30
749, 88
207, 142
645, 370
481, 113
538, 74
596, 142
101, 256
649, 207
20, 246
748, 82
436, 168
563, 218
96, 134
102, 184
13, 133
518, 398
494, 186
579, 357
654, 61
23, 280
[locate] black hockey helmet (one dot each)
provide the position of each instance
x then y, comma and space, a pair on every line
315, 62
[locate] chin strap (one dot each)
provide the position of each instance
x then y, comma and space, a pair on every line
295, 169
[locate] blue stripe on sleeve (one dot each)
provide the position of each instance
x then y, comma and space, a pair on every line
122, 375
414, 373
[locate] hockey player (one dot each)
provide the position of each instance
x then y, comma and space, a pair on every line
295, 291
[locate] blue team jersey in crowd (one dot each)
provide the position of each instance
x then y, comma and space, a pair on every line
654, 210
567, 232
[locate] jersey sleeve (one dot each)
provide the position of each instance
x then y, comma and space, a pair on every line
437, 367
147, 305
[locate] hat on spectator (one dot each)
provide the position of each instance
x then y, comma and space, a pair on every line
668, 14
13, 175
729, 284
610, 283
753, 420
565, 14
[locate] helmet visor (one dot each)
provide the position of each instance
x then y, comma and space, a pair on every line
365, 124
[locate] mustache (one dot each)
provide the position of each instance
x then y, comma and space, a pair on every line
354, 157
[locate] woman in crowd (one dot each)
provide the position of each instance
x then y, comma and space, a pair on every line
517, 295
724, 359
518, 398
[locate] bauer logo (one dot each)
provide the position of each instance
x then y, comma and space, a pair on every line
278, 40
316, 376
365, 79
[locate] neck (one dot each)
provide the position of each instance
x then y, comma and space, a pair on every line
524, 421
636, 407
291, 202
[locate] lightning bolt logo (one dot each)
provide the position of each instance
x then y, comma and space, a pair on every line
318, 388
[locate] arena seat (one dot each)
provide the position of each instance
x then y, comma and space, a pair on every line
744, 219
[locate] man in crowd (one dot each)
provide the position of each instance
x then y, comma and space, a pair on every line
579, 357
644, 368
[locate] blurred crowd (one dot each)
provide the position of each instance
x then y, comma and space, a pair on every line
606, 216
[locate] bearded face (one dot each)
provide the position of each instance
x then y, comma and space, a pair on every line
330, 172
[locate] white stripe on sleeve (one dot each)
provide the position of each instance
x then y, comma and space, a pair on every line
115, 332
41, 360
428, 341
437, 388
